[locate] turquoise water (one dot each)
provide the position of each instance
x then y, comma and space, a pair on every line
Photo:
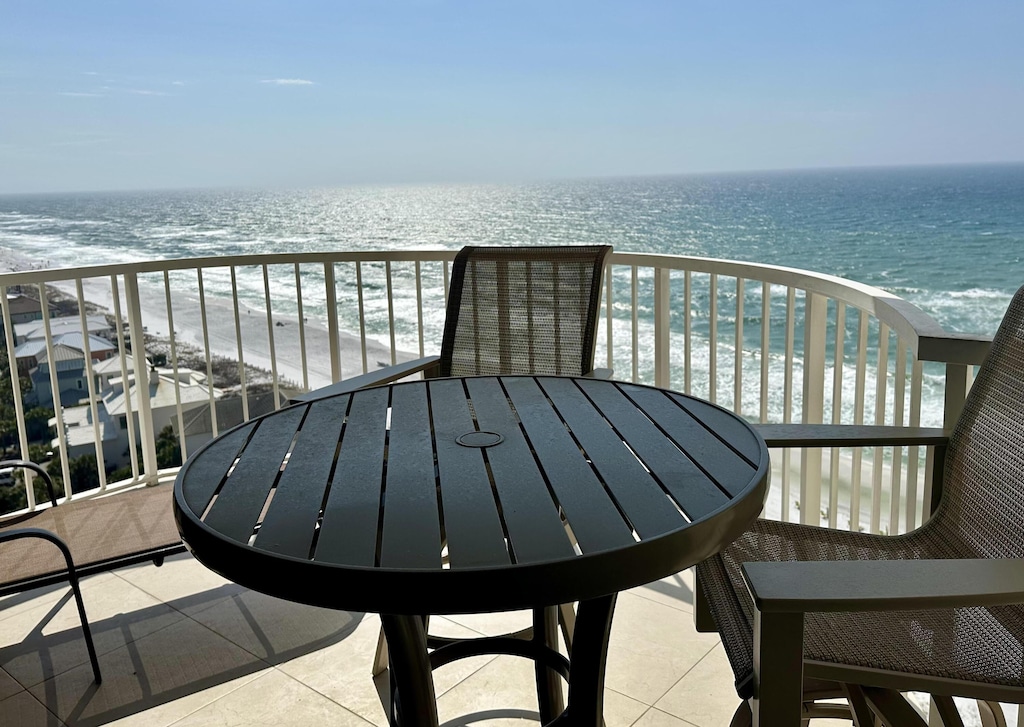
950, 239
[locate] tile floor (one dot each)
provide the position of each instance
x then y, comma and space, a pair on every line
181, 646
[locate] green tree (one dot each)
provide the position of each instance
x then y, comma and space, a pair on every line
83, 470
168, 449
13, 497
8, 418
37, 423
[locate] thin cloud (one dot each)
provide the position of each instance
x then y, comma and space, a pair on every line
80, 94
177, 83
86, 141
144, 92
288, 82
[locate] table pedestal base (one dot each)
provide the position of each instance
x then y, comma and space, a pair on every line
413, 703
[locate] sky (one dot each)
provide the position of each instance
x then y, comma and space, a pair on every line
105, 95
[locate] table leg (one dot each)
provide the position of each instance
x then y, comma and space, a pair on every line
587, 662
412, 698
549, 683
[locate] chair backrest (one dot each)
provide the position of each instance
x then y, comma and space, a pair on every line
523, 310
982, 505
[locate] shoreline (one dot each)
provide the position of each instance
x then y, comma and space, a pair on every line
223, 335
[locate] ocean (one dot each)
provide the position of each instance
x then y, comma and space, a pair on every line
950, 239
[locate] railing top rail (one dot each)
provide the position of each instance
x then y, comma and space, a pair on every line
46, 275
924, 336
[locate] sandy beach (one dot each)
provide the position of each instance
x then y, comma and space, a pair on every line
258, 336
273, 346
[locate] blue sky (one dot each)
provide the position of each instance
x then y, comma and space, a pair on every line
133, 95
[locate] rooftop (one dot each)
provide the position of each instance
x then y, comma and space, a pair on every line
180, 645
59, 326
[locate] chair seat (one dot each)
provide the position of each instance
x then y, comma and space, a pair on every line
955, 644
100, 532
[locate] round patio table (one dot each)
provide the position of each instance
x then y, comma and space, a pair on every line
469, 495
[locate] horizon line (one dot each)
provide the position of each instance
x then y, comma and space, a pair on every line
539, 180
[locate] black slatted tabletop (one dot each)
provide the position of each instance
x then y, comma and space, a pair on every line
471, 494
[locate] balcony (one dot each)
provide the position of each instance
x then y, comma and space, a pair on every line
203, 344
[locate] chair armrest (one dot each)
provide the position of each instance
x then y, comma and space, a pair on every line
848, 435
30, 465
884, 585
784, 591
371, 378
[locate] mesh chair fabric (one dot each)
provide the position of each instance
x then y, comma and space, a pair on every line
523, 309
96, 530
981, 515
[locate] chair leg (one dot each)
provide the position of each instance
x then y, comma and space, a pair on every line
21, 533
549, 683
860, 712
991, 714
947, 710
567, 621
380, 658
703, 621
742, 717
893, 709
90, 647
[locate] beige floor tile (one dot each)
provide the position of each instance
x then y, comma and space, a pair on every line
273, 629
17, 603
675, 590
177, 709
177, 672
656, 718
620, 710
503, 693
24, 710
452, 674
180, 660
341, 672
705, 696
652, 646
48, 640
8, 685
275, 700
488, 624
180, 577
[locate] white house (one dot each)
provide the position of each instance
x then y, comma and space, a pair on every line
115, 405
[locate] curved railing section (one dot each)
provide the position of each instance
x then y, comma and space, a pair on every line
183, 349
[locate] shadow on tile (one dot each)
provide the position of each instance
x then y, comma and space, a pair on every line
492, 716
158, 661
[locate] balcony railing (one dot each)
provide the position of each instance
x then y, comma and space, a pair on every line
773, 344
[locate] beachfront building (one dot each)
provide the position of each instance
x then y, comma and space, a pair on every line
69, 339
34, 360
114, 406
35, 330
25, 309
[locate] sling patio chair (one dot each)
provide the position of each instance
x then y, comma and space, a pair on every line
8, 535
870, 617
72, 539
511, 310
